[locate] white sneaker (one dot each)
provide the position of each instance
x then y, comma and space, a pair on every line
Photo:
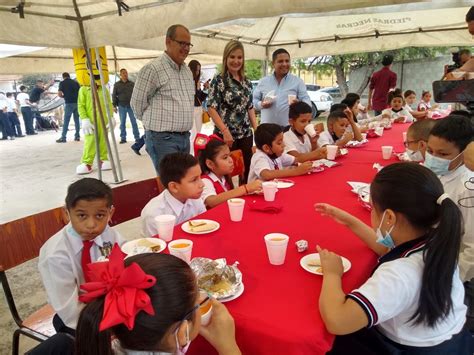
83, 169
105, 165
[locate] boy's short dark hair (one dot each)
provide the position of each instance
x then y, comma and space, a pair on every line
266, 134
387, 59
88, 189
470, 14
338, 107
408, 93
299, 108
174, 166
336, 116
456, 129
350, 99
420, 130
23, 87
279, 51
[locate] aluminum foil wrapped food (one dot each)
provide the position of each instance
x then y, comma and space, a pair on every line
216, 277
301, 245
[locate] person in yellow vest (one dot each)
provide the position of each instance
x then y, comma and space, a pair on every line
86, 109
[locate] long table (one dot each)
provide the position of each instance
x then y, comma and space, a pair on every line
278, 311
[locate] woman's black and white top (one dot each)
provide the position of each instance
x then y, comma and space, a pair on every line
390, 298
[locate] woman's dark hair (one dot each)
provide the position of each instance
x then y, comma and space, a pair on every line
470, 14
457, 129
408, 93
393, 94
172, 297
419, 206
88, 189
423, 93
299, 108
194, 65
350, 99
266, 134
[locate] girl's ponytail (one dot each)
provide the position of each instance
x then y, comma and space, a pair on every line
89, 340
441, 256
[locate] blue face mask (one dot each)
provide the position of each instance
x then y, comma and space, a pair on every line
387, 239
437, 165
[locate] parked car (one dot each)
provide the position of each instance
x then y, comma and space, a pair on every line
335, 93
321, 101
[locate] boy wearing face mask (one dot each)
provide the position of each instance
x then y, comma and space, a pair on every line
87, 238
417, 138
445, 157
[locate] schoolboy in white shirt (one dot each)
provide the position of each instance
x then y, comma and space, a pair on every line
297, 142
444, 156
337, 133
180, 174
270, 161
87, 238
417, 139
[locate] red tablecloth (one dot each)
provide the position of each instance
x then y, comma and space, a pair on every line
278, 311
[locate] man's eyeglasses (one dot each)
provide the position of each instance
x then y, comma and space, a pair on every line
183, 45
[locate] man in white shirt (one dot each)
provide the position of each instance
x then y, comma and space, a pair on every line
25, 107
7, 130
181, 176
12, 114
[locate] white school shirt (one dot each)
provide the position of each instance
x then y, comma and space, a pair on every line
325, 138
293, 143
22, 97
390, 297
61, 270
209, 189
261, 161
165, 203
454, 184
11, 105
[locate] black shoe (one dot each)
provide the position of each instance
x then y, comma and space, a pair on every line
136, 150
20, 136
77, 139
61, 140
122, 141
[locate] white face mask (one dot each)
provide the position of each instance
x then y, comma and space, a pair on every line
438, 165
182, 350
414, 155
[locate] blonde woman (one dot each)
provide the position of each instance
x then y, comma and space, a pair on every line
230, 103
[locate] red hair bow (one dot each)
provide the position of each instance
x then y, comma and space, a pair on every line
123, 288
201, 141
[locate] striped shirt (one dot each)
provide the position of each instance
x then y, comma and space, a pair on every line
163, 96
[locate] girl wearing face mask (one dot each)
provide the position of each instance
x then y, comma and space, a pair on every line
151, 308
414, 300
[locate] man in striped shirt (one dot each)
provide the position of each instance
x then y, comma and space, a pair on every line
163, 98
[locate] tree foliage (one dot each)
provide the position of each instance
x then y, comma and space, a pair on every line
29, 80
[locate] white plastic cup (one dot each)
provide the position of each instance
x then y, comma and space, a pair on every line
310, 130
291, 98
165, 225
181, 248
364, 136
205, 309
331, 151
236, 209
404, 134
270, 189
277, 244
387, 151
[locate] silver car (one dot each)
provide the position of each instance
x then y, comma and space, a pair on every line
321, 101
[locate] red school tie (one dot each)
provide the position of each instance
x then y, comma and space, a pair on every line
86, 257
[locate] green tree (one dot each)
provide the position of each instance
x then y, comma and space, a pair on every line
30, 80
253, 69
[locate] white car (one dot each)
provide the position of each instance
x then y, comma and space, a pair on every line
321, 101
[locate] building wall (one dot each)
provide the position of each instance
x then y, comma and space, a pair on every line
417, 75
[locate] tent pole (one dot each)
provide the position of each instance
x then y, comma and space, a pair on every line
111, 125
401, 80
115, 60
95, 97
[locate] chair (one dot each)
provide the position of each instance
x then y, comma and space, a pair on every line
239, 167
130, 199
21, 240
